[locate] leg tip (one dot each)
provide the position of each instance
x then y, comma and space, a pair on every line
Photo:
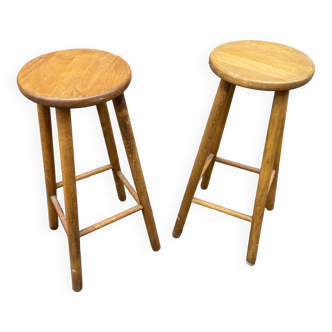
204, 185
250, 264
53, 220
176, 236
77, 281
122, 196
156, 248
77, 289
177, 231
269, 208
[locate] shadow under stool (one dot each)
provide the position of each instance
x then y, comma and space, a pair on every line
73, 79
255, 65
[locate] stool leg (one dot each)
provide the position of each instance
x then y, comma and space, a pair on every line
106, 126
272, 193
69, 187
45, 127
135, 166
204, 148
217, 138
271, 145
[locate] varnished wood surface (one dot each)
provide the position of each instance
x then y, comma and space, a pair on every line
218, 138
70, 195
106, 127
127, 134
261, 65
74, 78
277, 116
218, 106
45, 128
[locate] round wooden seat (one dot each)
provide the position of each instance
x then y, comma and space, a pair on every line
74, 78
261, 65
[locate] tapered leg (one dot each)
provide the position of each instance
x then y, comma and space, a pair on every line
272, 193
204, 148
106, 126
217, 138
135, 166
271, 145
69, 187
45, 127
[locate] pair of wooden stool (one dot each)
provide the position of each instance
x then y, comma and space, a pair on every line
83, 77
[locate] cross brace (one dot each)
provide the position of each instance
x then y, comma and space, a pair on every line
104, 222
87, 174
221, 208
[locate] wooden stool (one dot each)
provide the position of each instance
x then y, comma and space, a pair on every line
72, 79
255, 65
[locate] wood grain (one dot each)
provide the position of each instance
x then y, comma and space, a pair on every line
218, 105
261, 65
111, 147
277, 116
136, 168
45, 128
74, 78
68, 172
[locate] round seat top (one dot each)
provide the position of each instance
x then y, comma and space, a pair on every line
261, 65
74, 78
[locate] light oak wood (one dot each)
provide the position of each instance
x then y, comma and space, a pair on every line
277, 114
222, 209
106, 126
261, 65
238, 165
87, 174
217, 137
69, 188
110, 220
245, 167
205, 146
74, 78
45, 128
127, 134
272, 192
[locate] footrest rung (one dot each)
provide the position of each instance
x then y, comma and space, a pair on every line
110, 220
87, 174
222, 209
238, 165
245, 167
